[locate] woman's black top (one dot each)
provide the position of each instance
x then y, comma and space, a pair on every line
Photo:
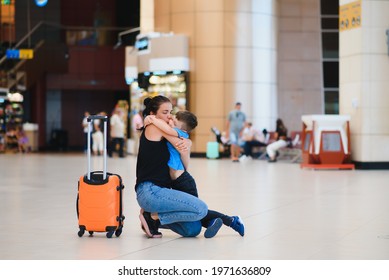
151, 165
282, 132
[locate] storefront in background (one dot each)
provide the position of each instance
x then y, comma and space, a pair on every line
11, 120
170, 84
158, 65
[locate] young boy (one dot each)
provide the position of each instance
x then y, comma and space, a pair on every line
183, 123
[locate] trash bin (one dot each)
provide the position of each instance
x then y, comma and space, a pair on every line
31, 130
212, 150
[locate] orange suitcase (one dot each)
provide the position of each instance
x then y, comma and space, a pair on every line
99, 200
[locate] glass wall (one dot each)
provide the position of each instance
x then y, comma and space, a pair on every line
330, 51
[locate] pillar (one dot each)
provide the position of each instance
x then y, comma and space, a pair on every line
232, 58
364, 72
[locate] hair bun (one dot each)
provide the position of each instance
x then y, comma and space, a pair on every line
146, 101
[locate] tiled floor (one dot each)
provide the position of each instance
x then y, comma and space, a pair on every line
289, 213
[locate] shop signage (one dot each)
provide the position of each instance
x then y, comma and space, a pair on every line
41, 3
350, 16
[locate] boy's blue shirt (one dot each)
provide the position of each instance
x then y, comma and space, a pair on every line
175, 157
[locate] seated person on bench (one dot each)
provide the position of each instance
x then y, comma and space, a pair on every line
252, 138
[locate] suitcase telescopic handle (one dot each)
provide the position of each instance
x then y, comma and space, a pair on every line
96, 117
89, 120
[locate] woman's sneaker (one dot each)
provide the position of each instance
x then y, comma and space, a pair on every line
149, 226
213, 228
237, 225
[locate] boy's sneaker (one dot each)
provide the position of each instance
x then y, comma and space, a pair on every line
243, 158
237, 225
149, 226
213, 228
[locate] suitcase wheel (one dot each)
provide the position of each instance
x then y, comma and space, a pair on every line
109, 234
90, 233
118, 232
81, 232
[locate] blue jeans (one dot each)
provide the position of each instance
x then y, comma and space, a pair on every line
178, 211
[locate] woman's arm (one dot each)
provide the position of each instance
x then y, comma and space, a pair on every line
182, 145
185, 153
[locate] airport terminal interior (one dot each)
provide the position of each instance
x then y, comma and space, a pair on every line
289, 59
289, 213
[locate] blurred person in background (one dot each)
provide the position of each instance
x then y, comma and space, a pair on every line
281, 141
137, 124
116, 133
236, 121
251, 138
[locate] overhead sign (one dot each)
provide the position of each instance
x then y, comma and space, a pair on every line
12, 54
350, 16
19, 54
26, 53
142, 44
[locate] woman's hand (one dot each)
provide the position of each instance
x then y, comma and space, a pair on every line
183, 145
